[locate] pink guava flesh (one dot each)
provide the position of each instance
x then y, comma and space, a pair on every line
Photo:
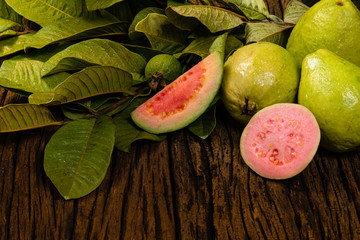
280, 140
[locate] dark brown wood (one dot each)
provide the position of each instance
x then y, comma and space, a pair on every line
181, 188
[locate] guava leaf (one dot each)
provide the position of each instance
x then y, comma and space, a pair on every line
91, 81
8, 33
23, 75
44, 12
121, 11
266, 31
146, 52
13, 44
94, 52
162, 34
138, 5
174, 3
219, 45
75, 112
78, 155
85, 108
140, 16
232, 44
201, 46
19, 117
93, 5
6, 12
43, 54
205, 124
294, 11
252, 9
216, 19
69, 29
6, 24
127, 132
275, 18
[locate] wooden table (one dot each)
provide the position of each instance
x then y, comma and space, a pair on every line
181, 188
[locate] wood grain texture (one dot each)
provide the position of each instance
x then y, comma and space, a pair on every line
181, 188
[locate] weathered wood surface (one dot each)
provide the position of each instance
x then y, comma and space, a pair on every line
181, 188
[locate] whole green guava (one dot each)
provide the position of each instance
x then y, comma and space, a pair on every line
328, 24
163, 66
258, 75
330, 89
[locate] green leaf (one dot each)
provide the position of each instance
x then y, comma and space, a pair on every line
14, 44
266, 31
275, 19
18, 117
8, 33
93, 5
23, 75
146, 52
94, 52
69, 29
294, 11
252, 9
138, 5
162, 34
205, 124
6, 24
201, 46
44, 12
87, 107
75, 112
215, 19
122, 11
219, 45
20, 74
232, 44
140, 16
174, 3
6, 12
78, 155
127, 132
43, 54
91, 81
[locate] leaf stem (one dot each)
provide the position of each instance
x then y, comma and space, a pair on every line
272, 22
117, 104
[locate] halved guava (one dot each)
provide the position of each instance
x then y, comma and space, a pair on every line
280, 140
182, 101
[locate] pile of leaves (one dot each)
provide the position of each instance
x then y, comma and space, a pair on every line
87, 57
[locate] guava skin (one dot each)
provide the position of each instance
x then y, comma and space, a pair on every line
328, 24
330, 89
256, 76
164, 66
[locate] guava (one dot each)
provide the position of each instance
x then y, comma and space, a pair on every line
256, 76
329, 24
163, 67
330, 88
182, 101
280, 140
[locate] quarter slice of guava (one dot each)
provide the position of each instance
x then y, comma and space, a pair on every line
182, 101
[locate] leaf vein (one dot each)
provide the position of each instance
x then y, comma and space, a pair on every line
55, 8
